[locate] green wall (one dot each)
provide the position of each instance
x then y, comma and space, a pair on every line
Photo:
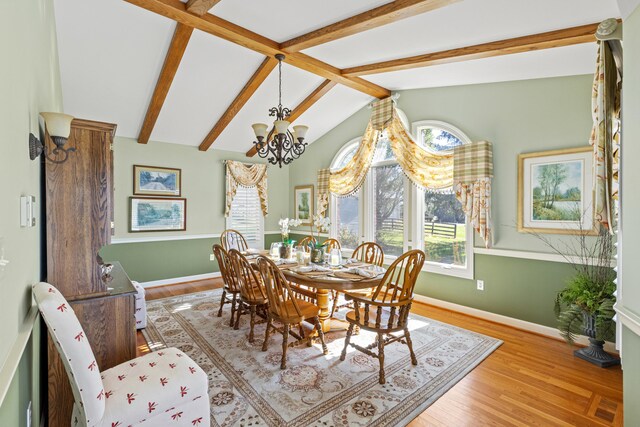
630, 227
29, 84
517, 117
203, 185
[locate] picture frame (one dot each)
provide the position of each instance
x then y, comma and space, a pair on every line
157, 214
555, 192
304, 203
156, 181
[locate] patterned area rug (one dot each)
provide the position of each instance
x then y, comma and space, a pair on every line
247, 387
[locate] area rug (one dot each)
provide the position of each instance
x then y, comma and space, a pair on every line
247, 387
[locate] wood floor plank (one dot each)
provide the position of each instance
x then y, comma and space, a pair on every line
530, 380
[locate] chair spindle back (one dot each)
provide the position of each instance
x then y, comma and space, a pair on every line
226, 268
278, 290
369, 252
249, 280
232, 239
308, 240
332, 244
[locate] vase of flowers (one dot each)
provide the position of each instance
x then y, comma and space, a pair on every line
321, 225
287, 244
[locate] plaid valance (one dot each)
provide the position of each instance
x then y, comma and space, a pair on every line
472, 162
382, 112
323, 191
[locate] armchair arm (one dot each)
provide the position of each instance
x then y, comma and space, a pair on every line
377, 303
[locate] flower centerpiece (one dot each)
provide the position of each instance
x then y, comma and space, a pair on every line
287, 244
321, 225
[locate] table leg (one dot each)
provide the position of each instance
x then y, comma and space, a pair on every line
322, 296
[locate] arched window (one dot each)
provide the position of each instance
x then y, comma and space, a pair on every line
392, 212
446, 238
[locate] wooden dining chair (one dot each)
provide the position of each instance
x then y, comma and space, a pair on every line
332, 244
387, 311
285, 308
368, 252
232, 239
308, 240
252, 293
231, 288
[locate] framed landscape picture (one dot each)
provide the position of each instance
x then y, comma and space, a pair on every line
157, 214
156, 181
303, 198
555, 191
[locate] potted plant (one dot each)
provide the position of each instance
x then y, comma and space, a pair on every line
585, 305
287, 244
321, 224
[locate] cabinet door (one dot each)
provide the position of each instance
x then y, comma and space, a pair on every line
79, 205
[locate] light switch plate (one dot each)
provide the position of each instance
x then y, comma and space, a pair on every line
27, 211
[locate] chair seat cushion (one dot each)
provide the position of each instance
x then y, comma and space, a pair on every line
150, 385
373, 314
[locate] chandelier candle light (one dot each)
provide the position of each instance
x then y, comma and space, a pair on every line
280, 146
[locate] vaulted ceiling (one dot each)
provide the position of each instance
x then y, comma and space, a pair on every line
216, 80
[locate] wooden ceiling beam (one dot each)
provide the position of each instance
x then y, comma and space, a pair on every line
379, 16
176, 10
200, 7
548, 40
313, 97
176, 50
245, 94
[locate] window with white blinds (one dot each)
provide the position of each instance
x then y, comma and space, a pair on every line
246, 216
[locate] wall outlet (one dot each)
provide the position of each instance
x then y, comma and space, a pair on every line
29, 414
212, 257
480, 285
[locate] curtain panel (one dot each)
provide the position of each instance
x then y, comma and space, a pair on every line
323, 192
246, 175
349, 179
472, 174
605, 136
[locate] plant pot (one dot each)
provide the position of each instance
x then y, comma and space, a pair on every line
317, 255
285, 251
594, 353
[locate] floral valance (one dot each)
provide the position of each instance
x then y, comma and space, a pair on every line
605, 136
246, 175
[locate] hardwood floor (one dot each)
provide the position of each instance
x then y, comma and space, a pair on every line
530, 380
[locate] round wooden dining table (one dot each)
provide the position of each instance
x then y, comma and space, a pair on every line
322, 286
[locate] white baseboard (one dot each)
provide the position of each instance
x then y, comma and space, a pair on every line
175, 280
505, 320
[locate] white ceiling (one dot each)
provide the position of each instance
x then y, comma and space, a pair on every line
111, 53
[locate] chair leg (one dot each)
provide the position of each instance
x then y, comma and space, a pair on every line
381, 358
239, 309
285, 339
233, 308
346, 341
321, 335
414, 360
265, 344
222, 301
252, 309
335, 295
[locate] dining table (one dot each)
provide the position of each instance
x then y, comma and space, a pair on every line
320, 284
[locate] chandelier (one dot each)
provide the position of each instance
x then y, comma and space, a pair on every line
280, 146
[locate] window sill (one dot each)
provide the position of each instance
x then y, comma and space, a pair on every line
448, 270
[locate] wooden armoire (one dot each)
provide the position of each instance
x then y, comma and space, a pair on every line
79, 218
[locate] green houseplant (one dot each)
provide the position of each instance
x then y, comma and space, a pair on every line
585, 305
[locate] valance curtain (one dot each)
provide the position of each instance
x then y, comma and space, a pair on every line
429, 170
246, 175
605, 136
472, 173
